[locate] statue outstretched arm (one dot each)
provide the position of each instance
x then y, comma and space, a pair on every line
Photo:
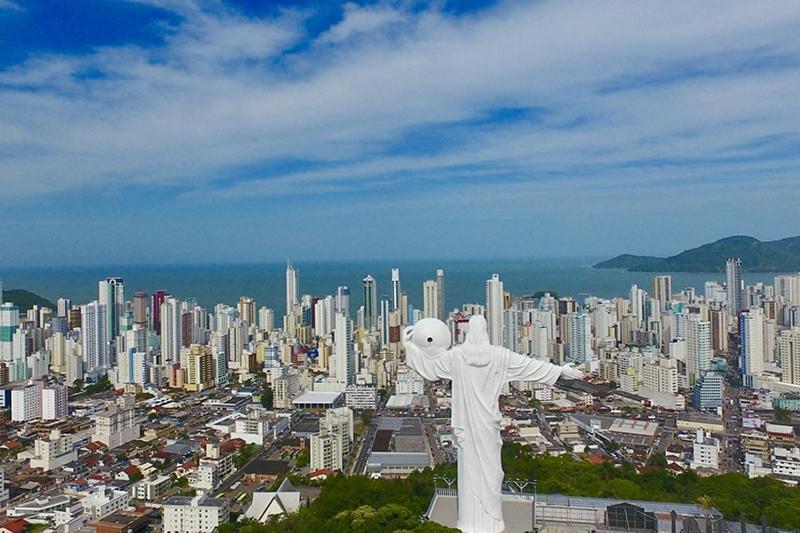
432, 367
524, 368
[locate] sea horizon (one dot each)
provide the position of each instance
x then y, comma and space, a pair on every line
224, 282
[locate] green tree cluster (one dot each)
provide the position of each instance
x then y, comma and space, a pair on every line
363, 504
267, 398
731, 493
246, 453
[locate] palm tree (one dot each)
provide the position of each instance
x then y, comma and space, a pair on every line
706, 504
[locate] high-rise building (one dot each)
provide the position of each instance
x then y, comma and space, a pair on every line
63, 305
343, 352
787, 289
26, 402
662, 290
698, 347
396, 290
386, 311
324, 316
9, 323
430, 299
111, 293
494, 309
140, 308
247, 310
342, 303
442, 312
55, 404
751, 344
171, 325
94, 336
637, 300
200, 370
580, 337
719, 330
735, 285
292, 288
789, 355
333, 442
708, 391
266, 319
155, 309
370, 303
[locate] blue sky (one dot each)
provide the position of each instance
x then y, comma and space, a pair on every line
157, 131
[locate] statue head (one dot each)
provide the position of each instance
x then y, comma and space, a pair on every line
477, 330
432, 336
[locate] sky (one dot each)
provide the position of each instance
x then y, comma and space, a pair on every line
170, 131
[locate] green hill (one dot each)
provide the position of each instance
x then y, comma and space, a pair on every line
757, 256
26, 299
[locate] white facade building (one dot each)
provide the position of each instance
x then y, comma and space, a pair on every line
117, 424
183, 514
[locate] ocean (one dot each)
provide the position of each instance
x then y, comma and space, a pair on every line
210, 284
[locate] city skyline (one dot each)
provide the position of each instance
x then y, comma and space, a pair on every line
549, 128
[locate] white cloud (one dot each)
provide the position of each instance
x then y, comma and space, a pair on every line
641, 83
8, 4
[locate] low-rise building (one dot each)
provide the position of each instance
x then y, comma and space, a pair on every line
103, 500
53, 451
361, 397
199, 514
153, 489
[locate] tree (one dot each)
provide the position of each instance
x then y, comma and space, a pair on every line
782, 415
267, 400
303, 458
657, 460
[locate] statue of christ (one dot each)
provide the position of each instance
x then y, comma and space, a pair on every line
478, 372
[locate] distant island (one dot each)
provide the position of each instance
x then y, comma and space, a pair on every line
25, 300
757, 256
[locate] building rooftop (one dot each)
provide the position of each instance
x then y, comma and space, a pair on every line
399, 458
317, 398
196, 501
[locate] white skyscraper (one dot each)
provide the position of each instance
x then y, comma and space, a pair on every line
637, 299
324, 316
494, 309
292, 288
430, 299
442, 312
344, 354
396, 290
170, 330
735, 285
698, 347
580, 338
751, 344
266, 319
94, 337
342, 300
111, 293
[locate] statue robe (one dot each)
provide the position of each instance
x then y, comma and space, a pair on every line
476, 422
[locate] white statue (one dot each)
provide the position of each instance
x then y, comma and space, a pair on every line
478, 372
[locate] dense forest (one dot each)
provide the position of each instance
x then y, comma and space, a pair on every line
360, 504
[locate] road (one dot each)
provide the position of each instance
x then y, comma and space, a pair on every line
732, 458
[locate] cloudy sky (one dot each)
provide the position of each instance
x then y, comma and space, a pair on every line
178, 130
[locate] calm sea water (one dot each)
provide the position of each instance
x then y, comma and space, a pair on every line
464, 280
